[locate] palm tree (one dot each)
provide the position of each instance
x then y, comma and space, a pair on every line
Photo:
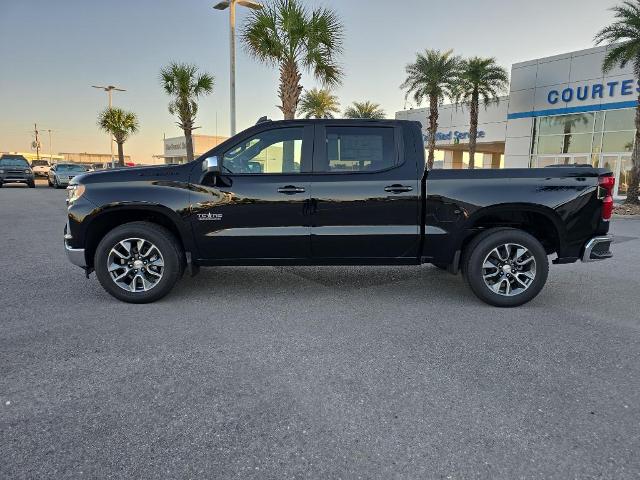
287, 34
185, 84
319, 103
623, 38
120, 124
433, 76
480, 79
364, 109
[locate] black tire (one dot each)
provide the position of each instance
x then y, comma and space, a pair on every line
32, 184
441, 266
49, 182
55, 183
165, 242
482, 246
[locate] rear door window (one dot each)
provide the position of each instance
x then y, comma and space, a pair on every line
358, 149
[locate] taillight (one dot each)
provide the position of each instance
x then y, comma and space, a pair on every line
605, 191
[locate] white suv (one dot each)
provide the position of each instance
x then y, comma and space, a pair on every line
40, 168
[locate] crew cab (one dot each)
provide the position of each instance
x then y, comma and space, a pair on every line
335, 192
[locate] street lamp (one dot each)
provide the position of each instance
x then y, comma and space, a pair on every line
231, 5
109, 89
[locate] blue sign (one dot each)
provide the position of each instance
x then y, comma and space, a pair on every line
594, 91
455, 136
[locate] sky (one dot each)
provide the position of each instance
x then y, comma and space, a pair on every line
51, 52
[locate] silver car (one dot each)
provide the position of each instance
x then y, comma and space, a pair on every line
61, 174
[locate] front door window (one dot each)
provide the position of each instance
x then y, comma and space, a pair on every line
276, 151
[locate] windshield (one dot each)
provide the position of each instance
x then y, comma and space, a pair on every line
13, 162
39, 163
70, 168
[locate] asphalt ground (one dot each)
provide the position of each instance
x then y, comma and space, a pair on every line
312, 372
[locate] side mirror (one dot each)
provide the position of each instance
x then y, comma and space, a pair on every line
211, 165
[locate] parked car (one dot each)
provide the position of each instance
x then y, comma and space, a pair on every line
16, 169
40, 168
95, 166
61, 174
335, 192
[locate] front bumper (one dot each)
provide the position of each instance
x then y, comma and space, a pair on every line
598, 248
75, 255
16, 179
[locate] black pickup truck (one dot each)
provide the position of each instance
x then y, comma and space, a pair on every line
335, 192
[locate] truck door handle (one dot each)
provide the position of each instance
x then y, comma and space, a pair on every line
290, 189
397, 188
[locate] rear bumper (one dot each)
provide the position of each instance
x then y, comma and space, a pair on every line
598, 248
75, 255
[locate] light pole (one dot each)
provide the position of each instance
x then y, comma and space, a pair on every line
109, 89
50, 146
231, 5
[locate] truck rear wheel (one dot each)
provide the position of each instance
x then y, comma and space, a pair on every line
505, 267
138, 262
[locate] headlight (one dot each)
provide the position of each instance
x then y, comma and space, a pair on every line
1, 171
74, 192
27, 171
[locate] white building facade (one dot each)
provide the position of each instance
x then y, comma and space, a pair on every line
560, 110
175, 148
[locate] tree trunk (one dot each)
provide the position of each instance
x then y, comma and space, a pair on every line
120, 154
433, 127
188, 140
290, 89
473, 129
634, 174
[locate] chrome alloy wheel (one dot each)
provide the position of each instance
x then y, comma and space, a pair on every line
135, 265
509, 269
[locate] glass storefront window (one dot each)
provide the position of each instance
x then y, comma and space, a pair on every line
616, 120
550, 144
578, 143
625, 175
563, 124
599, 123
599, 138
609, 162
617, 142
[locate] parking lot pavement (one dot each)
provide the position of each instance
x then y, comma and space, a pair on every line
333, 372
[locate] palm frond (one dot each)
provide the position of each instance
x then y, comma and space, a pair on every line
261, 34
319, 103
184, 83
480, 79
433, 74
118, 122
286, 33
365, 109
622, 37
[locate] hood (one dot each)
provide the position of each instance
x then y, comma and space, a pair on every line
132, 174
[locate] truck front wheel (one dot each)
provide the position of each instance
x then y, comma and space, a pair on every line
505, 267
138, 262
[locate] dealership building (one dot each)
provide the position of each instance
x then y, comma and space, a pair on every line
559, 110
175, 148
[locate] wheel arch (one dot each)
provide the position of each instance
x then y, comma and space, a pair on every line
113, 216
540, 221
